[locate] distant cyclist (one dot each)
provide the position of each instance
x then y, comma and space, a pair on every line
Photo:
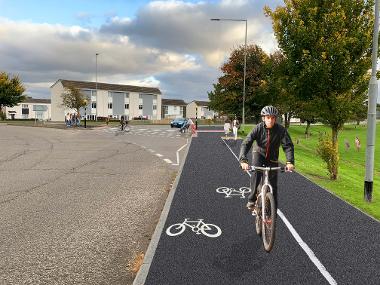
122, 123
269, 136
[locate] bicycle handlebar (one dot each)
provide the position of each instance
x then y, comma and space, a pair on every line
254, 168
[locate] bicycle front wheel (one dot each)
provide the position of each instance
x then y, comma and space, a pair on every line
269, 222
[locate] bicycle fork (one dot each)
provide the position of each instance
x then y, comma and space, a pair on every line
263, 193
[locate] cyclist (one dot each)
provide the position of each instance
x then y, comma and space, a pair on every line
269, 136
122, 123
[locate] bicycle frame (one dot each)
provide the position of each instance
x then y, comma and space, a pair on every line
265, 185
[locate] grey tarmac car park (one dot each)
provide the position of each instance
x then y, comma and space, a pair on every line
77, 205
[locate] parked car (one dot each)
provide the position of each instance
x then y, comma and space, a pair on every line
178, 122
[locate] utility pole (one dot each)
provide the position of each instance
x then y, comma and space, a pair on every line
371, 117
96, 84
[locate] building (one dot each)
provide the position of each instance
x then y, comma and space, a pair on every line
108, 100
173, 108
30, 108
200, 110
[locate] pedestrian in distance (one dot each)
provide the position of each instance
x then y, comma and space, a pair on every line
227, 128
357, 144
235, 127
346, 144
269, 136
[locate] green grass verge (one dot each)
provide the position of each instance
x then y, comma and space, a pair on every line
350, 183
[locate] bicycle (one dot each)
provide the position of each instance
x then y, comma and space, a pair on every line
198, 227
266, 209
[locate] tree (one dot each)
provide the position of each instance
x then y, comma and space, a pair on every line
73, 98
277, 89
227, 95
328, 44
11, 91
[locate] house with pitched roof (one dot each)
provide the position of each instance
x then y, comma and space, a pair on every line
30, 108
200, 110
108, 100
173, 108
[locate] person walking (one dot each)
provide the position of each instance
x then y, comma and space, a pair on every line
235, 127
227, 127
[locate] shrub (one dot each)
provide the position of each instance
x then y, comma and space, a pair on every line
329, 154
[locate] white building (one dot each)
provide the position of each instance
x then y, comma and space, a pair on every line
173, 108
30, 108
200, 110
108, 100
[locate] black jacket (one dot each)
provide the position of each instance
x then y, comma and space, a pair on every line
276, 136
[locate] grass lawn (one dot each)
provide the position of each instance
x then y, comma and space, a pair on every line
350, 183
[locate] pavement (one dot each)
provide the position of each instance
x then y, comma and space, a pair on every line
320, 239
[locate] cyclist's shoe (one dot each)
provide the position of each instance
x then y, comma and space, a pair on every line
251, 205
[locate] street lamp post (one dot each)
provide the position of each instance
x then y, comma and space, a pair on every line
96, 84
245, 57
371, 115
85, 116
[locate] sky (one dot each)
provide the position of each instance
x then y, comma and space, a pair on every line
171, 45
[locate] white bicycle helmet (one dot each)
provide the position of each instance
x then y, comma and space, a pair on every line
269, 111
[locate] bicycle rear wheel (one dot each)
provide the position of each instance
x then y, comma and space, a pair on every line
269, 222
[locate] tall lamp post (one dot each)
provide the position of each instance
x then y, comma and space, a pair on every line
85, 114
96, 84
245, 57
371, 116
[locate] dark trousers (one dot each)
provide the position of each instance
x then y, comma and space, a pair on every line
259, 160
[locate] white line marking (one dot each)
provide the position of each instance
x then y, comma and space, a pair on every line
297, 237
159, 155
167, 160
180, 150
151, 150
307, 249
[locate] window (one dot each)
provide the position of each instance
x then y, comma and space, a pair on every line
24, 105
126, 95
93, 105
166, 110
154, 107
109, 105
126, 106
140, 96
140, 107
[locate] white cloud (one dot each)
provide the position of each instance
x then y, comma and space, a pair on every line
172, 45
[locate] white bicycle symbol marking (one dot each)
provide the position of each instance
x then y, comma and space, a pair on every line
233, 192
198, 227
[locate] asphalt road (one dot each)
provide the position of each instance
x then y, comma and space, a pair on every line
320, 239
76, 205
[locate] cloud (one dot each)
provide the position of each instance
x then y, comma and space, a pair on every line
186, 27
43, 52
172, 45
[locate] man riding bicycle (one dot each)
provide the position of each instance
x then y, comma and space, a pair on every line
269, 136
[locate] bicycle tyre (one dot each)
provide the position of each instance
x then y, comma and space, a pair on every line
180, 228
269, 223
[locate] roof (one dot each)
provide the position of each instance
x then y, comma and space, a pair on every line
201, 103
33, 100
107, 86
173, 102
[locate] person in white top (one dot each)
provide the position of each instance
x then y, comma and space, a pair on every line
235, 127
227, 127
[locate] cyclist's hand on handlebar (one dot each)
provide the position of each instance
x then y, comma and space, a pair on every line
244, 166
289, 167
